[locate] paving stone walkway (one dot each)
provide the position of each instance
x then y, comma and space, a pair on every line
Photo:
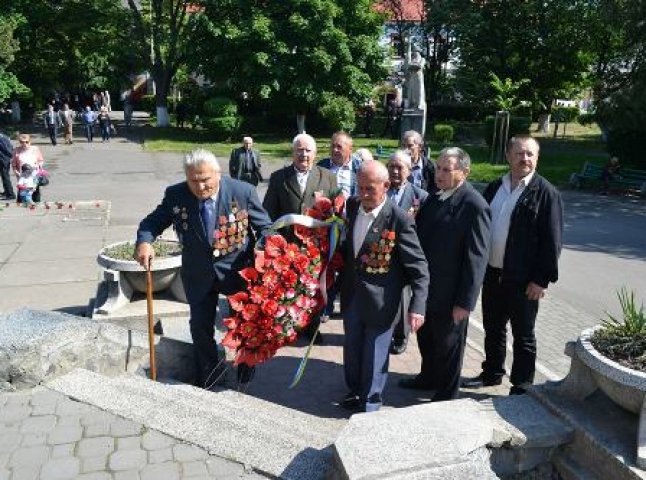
46, 435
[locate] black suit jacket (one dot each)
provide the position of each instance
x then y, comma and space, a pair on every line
238, 166
378, 295
284, 195
535, 235
6, 150
201, 271
455, 236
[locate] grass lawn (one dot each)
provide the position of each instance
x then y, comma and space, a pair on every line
559, 158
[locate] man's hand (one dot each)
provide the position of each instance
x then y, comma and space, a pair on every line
144, 254
535, 292
415, 320
460, 314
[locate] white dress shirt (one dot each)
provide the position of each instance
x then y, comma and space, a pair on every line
502, 206
363, 223
301, 178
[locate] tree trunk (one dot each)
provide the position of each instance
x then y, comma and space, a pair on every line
161, 98
300, 122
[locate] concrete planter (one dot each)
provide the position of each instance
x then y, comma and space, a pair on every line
626, 387
124, 277
591, 371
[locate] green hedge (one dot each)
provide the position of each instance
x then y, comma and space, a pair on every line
565, 114
517, 126
222, 127
219, 107
339, 112
443, 133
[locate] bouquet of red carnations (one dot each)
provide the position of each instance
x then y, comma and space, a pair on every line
285, 287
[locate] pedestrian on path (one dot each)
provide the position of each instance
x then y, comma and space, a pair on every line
6, 152
52, 123
67, 117
526, 242
105, 124
27, 154
89, 119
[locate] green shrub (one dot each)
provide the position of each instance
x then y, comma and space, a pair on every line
517, 126
222, 127
217, 107
443, 133
565, 114
339, 112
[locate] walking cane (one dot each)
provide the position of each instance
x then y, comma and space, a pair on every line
151, 335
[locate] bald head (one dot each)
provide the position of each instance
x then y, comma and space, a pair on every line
373, 182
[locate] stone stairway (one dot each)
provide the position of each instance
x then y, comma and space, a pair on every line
267, 437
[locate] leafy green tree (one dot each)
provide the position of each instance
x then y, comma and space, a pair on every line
72, 45
165, 31
506, 91
9, 83
545, 42
292, 52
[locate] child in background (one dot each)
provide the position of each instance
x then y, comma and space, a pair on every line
26, 184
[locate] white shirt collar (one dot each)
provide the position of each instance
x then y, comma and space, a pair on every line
506, 180
375, 211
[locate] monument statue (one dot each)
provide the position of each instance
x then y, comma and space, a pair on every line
414, 78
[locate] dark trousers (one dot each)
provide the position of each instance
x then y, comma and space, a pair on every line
401, 326
365, 357
504, 302
7, 187
52, 130
202, 325
441, 344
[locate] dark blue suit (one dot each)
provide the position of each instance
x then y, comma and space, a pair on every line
370, 300
205, 276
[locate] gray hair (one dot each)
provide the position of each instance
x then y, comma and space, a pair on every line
200, 157
417, 138
364, 154
245, 139
379, 168
464, 161
522, 138
402, 156
303, 136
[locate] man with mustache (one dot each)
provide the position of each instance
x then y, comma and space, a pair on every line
526, 240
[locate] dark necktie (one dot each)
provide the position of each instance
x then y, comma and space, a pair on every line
207, 214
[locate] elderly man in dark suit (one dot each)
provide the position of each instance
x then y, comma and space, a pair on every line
409, 198
526, 241
422, 171
382, 254
293, 189
453, 227
198, 209
244, 163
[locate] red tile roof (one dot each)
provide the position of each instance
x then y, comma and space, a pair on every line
402, 10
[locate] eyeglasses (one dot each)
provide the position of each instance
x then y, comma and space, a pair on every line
24, 142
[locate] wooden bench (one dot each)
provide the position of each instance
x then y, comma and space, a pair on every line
628, 179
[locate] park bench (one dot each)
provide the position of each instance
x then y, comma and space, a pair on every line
629, 179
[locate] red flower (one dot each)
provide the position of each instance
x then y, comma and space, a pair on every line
250, 311
250, 274
290, 278
269, 307
301, 262
259, 260
238, 300
274, 245
323, 204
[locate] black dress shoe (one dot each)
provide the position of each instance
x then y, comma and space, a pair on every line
414, 384
480, 381
245, 373
517, 390
351, 402
398, 346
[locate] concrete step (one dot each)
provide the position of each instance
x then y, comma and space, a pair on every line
270, 438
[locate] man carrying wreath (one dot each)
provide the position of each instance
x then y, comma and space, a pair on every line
382, 255
216, 219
